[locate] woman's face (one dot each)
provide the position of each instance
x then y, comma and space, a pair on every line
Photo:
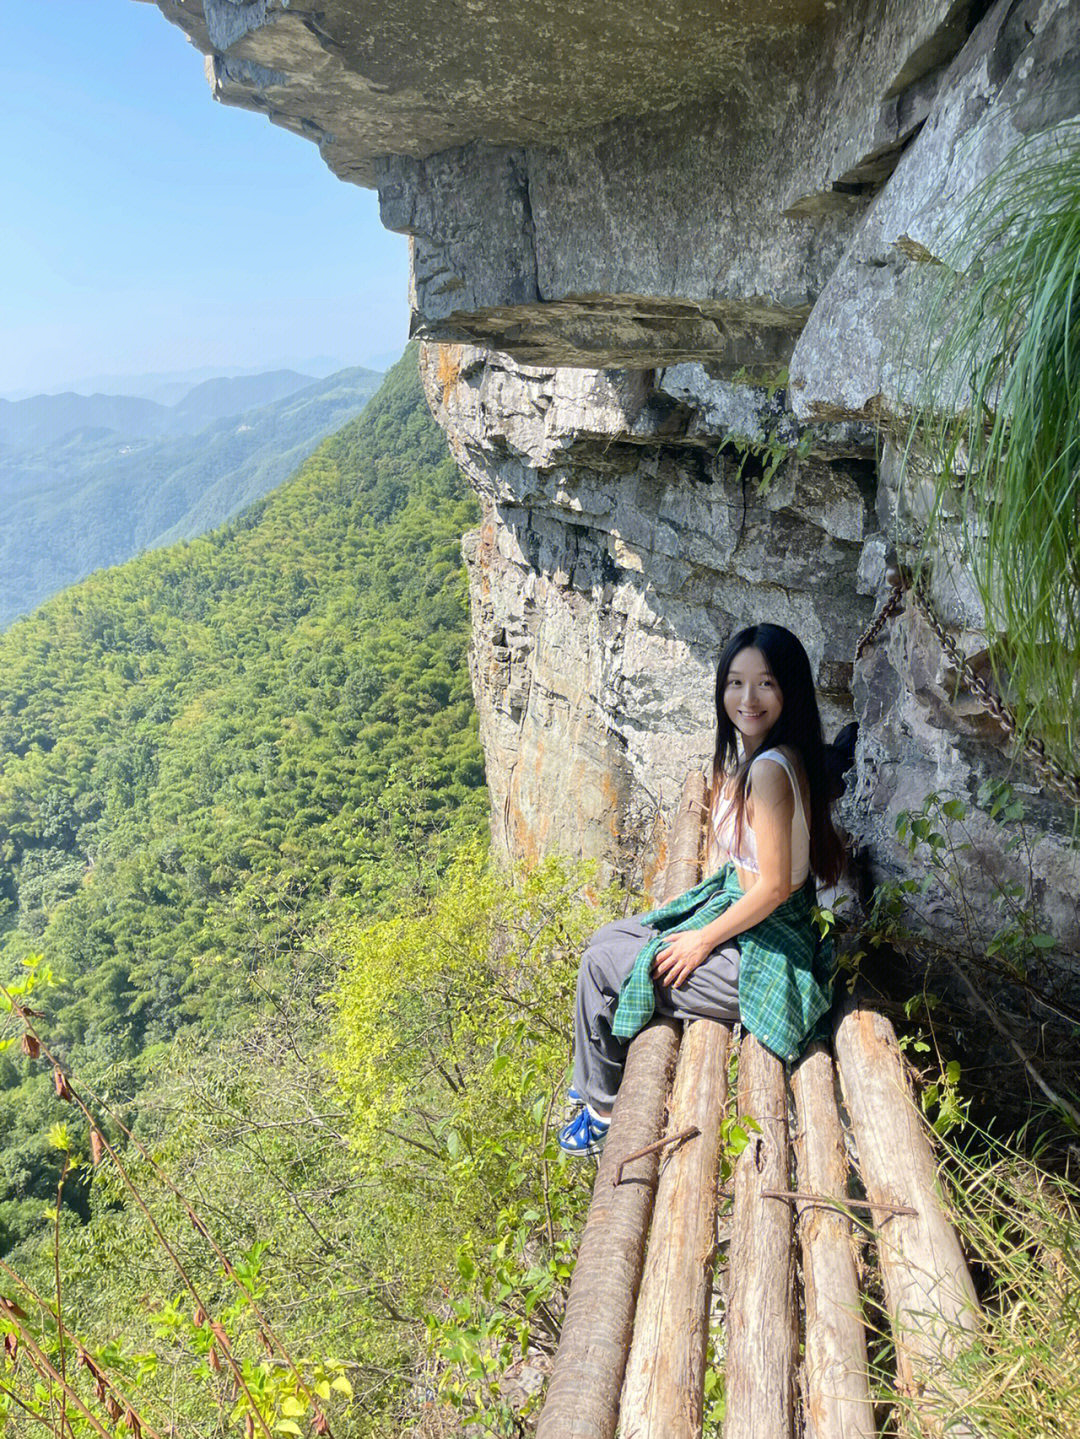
752, 698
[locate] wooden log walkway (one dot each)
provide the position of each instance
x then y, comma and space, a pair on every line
583, 1395
793, 1338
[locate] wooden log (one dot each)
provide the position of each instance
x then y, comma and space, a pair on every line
837, 1395
684, 849
761, 1318
583, 1394
928, 1290
665, 1374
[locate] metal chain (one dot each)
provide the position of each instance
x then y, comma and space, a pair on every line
1054, 775
892, 606
1049, 771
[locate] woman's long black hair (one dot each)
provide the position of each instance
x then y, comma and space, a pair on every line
798, 726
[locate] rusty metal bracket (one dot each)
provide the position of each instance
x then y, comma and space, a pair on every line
691, 1133
796, 1196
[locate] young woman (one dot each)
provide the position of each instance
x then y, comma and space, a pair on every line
742, 944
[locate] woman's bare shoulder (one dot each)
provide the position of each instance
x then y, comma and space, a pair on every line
778, 780
769, 780
787, 752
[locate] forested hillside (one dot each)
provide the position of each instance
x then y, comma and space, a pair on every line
206, 750
94, 483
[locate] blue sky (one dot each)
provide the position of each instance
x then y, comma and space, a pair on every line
145, 227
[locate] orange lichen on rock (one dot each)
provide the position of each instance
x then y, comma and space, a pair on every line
447, 368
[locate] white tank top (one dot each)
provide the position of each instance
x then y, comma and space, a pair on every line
722, 834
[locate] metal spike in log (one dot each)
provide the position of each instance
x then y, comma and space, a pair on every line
665, 1376
761, 1319
837, 1395
583, 1394
928, 1290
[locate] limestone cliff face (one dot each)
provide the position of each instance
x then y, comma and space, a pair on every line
622, 541
662, 256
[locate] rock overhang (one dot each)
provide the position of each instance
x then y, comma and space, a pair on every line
413, 78
624, 185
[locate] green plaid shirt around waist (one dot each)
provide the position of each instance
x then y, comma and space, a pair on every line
785, 967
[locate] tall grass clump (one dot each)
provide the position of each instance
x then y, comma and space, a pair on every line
998, 418
1020, 1227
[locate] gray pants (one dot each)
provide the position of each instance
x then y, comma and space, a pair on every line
711, 992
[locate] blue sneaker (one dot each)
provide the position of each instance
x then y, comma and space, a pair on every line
585, 1134
574, 1102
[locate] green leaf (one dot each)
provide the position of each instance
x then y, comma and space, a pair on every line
59, 1138
737, 1139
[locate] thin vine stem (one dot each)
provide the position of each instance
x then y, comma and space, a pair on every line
59, 1298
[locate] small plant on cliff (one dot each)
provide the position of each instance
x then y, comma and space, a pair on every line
770, 453
999, 418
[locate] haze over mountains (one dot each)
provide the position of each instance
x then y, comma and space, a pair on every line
168, 386
91, 480
47, 419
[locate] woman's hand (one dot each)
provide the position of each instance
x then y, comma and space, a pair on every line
680, 956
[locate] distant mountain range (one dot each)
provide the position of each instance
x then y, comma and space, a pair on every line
168, 386
46, 420
89, 481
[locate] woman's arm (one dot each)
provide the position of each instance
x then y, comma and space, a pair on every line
774, 809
